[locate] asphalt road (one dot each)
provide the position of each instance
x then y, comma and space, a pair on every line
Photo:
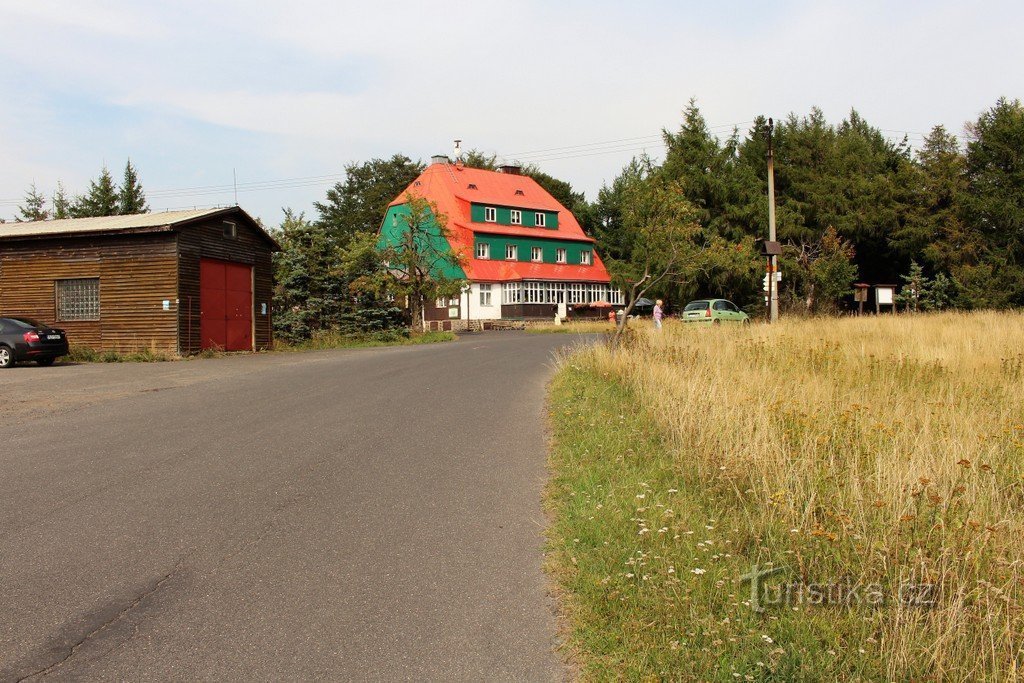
344, 515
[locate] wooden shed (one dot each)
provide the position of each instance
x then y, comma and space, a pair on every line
178, 281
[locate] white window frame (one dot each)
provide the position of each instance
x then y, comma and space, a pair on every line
516, 217
537, 254
540, 219
485, 294
585, 257
490, 214
511, 292
511, 252
561, 255
483, 250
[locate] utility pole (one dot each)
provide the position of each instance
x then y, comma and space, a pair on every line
773, 260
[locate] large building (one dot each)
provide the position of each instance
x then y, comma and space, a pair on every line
177, 282
523, 253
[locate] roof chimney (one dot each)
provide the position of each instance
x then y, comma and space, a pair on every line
458, 151
440, 159
511, 169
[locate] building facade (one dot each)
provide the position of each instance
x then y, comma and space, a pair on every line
176, 282
523, 254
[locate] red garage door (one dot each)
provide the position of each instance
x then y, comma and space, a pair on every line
225, 302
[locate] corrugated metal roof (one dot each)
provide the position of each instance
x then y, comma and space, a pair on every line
67, 226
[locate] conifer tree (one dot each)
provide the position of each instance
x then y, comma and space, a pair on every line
61, 203
132, 198
34, 208
101, 200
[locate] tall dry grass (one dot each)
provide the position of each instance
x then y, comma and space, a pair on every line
879, 450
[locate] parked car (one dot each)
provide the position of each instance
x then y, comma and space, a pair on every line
24, 339
713, 311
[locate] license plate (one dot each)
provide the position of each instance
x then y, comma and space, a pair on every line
53, 336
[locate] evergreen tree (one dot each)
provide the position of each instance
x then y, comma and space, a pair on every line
309, 297
131, 198
934, 230
695, 159
994, 207
101, 199
915, 284
34, 208
61, 203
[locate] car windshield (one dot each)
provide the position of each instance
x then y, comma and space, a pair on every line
696, 306
26, 323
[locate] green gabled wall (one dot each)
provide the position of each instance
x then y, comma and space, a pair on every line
504, 216
525, 247
396, 224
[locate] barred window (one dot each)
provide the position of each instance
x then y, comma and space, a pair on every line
78, 299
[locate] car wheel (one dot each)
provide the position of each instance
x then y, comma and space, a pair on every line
716, 321
6, 357
46, 362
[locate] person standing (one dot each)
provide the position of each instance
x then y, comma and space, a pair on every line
658, 314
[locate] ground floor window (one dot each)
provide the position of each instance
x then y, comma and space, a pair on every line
485, 295
78, 299
559, 292
511, 292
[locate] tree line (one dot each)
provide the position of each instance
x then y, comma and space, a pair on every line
103, 198
946, 220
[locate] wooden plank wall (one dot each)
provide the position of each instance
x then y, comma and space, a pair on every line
137, 273
207, 240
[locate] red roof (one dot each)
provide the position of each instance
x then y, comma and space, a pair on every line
448, 186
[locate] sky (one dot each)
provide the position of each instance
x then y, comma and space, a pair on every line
277, 97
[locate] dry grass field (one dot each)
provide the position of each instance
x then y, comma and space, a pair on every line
871, 466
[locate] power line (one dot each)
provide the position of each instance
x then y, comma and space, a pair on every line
621, 145
658, 136
618, 150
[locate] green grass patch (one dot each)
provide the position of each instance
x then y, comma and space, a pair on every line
335, 340
82, 354
649, 560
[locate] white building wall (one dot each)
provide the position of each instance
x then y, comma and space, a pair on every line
471, 308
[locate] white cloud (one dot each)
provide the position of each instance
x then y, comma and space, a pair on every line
311, 84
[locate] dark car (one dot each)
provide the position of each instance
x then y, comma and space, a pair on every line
26, 339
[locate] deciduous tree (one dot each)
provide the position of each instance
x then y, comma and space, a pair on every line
663, 243
419, 265
359, 203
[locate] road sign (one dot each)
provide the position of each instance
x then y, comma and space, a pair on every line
764, 281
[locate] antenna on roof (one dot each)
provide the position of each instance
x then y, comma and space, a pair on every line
234, 180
